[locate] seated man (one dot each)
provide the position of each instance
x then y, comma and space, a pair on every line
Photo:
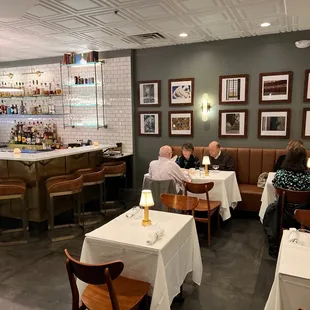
166, 169
187, 160
220, 158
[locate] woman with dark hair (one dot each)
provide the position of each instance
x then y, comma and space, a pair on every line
294, 174
280, 160
187, 160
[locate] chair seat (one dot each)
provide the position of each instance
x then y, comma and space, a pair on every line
12, 187
129, 293
64, 183
250, 189
91, 175
114, 168
203, 207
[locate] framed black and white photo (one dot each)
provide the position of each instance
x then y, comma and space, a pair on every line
149, 124
275, 87
233, 123
305, 131
181, 123
307, 86
233, 89
181, 92
274, 123
149, 93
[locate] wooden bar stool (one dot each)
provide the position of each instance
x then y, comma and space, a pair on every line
15, 189
114, 169
64, 185
91, 177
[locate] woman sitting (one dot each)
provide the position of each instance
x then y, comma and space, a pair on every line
187, 160
291, 144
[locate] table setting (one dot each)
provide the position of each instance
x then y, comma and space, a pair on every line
160, 248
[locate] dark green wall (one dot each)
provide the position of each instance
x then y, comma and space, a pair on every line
206, 62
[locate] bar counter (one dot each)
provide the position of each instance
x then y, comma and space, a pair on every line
35, 168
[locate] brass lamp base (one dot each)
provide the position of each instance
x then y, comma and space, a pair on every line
146, 221
206, 170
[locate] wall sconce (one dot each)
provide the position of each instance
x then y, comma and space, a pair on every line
206, 106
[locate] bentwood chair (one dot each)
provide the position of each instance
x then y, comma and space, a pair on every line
106, 289
64, 185
290, 197
15, 189
184, 204
205, 205
303, 217
93, 177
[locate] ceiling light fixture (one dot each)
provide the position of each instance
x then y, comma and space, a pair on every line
183, 35
265, 24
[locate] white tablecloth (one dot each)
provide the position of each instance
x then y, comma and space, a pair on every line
291, 286
268, 196
225, 189
164, 264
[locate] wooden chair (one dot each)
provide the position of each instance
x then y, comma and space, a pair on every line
303, 217
205, 205
106, 289
180, 203
294, 197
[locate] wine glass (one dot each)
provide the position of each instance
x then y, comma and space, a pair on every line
215, 167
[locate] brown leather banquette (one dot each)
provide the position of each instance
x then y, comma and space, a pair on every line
249, 164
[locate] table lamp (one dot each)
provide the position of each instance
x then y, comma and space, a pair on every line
308, 163
206, 162
146, 201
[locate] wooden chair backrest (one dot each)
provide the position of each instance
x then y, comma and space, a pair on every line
93, 274
303, 217
178, 202
202, 188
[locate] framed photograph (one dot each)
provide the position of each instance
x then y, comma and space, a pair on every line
275, 87
149, 93
274, 123
233, 123
181, 123
149, 124
305, 130
181, 92
233, 89
307, 86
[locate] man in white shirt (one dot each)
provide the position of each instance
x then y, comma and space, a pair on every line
166, 169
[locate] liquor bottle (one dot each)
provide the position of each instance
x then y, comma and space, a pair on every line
16, 109
19, 136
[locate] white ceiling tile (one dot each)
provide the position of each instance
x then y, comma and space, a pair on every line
191, 5
132, 30
110, 18
80, 4
97, 34
71, 23
41, 11
151, 11
39, 29
171, 24
222, 28
15, 8
212, 18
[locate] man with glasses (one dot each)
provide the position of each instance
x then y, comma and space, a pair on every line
166, 169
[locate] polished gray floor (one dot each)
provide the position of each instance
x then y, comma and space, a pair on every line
237, 272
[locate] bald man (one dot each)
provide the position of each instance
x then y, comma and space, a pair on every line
166, 169
220, 158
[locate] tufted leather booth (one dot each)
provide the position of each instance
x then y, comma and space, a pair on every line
249, 164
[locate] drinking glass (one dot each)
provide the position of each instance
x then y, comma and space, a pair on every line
202, 172
215, 167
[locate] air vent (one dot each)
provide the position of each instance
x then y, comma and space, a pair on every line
148, 37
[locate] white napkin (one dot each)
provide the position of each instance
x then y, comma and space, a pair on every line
133, 211
155, 235
293, 235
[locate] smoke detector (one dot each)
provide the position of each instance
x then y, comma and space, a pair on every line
302, 43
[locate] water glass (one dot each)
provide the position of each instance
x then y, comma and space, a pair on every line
215, 167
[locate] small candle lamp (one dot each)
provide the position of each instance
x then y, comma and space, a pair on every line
206, 162
308, 163
146, 201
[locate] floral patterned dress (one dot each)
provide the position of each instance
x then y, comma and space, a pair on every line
295, 181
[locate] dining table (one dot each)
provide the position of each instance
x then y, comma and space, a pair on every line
268, 196
164, 264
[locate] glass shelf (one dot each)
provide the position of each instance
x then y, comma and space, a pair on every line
35, 96
82, 125
81, 85
88, 64
28, 115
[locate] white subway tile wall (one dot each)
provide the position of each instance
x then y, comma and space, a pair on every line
117, 103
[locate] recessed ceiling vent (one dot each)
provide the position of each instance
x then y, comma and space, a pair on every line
148, 37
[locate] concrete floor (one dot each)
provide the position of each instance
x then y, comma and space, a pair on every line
237, 274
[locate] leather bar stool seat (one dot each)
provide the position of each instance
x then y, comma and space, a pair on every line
15, 189
91, 177
115, 169
71, 184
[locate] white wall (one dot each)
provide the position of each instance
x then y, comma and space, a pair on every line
118, 104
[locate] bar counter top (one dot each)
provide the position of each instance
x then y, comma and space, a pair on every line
46, 155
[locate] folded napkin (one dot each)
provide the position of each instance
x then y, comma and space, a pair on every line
155, 235
133, 211
293, 235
